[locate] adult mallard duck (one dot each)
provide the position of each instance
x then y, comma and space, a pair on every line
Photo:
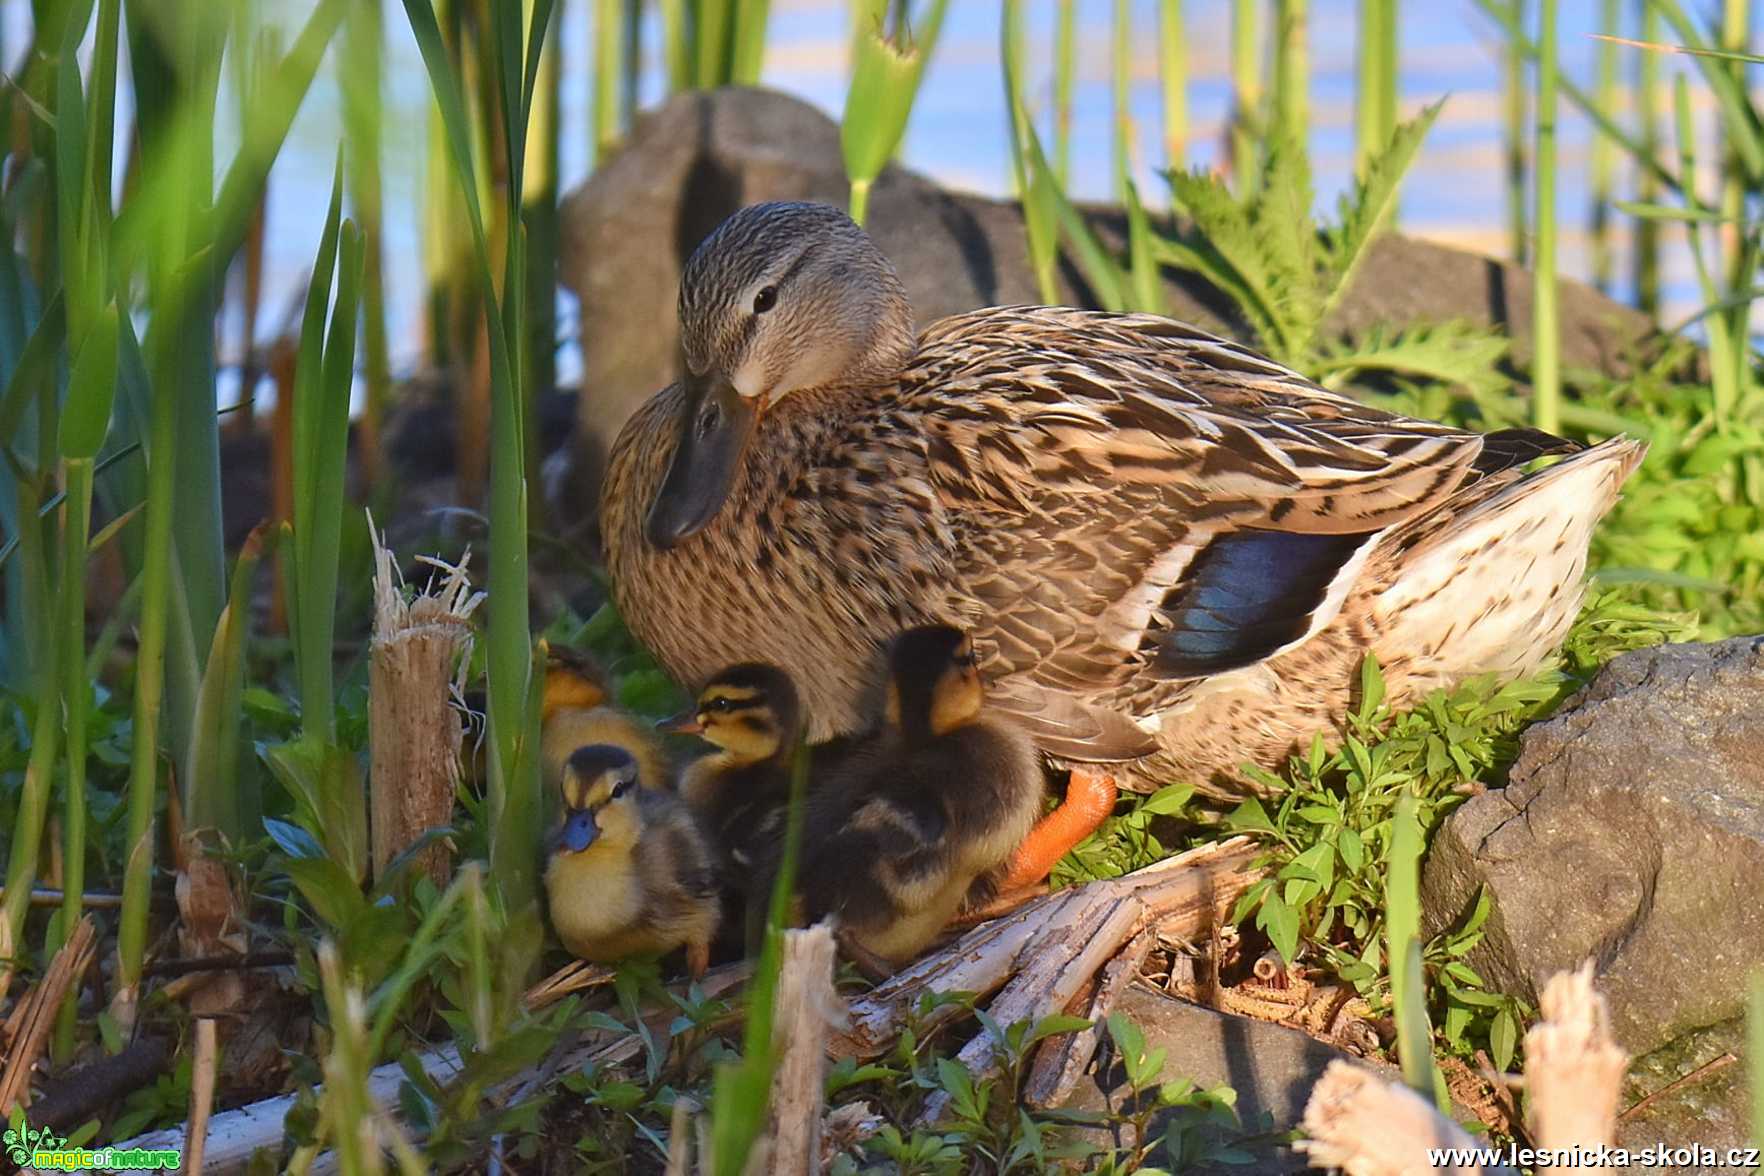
1172, 553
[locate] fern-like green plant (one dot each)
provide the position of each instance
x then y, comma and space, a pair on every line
1286, 276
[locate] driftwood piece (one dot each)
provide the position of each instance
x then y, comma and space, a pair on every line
806, 1007
1187, 893
416, 660
1573, 1070
1366, 1126
27, 1030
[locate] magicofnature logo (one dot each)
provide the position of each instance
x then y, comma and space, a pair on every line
41, 1150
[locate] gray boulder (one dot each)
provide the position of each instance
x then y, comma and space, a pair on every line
1632, 832
1271, 1067
690, 163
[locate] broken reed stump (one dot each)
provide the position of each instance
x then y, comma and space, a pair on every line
416, 663
806, 1008
1366, 1126
1573, 1070
26, 1031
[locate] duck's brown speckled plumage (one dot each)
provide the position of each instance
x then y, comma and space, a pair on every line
1045, 477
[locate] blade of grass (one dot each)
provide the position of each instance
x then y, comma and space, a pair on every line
1513, 135
609, 44
214, 797
749, 54
1408, 985
1546, 376
1065, 71
1376, 97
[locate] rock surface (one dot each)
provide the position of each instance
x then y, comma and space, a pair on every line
695, 160
1690, 1094
1631, 831
1272, 1068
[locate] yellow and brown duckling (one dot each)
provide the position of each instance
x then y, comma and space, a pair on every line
628, 871
896, 836
750, 715
576, 710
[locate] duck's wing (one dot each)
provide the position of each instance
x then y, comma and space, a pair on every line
1133, 494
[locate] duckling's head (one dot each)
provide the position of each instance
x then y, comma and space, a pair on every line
933, 681
781, 298
572, 680
600, 801
750, 711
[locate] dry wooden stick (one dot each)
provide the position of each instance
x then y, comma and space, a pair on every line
1366, 1126
29, 1027
416, 659
1573, 1070
575, 976
202, 1075
807, 1007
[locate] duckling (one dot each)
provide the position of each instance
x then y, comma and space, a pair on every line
749, 713
628, 871
576, 711
939, 798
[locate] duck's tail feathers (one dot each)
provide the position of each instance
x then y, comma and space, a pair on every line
1491, 581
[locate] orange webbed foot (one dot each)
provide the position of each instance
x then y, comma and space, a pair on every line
1090, 798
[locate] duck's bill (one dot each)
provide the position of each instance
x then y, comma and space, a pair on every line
579, 831
684, 723
714, 427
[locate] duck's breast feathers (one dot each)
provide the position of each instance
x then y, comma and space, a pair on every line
1134, 493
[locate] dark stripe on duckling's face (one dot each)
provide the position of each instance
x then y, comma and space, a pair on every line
749, 710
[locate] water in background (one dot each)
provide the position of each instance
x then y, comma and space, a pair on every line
1454, 193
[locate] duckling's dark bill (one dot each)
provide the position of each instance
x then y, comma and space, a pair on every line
715, 424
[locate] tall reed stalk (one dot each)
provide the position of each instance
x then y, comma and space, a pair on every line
1546, 376
513, 719
1246, 90
1647, 229
1604, 152
1375, 108
1122, 60
1173, 74
609, 46
1065, 73
885, 78
1515, 133
1292, 71
364, 52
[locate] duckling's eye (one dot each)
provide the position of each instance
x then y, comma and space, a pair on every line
619, 789
765, 299
721, 706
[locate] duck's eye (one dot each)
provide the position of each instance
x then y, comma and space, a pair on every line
619, 789
765, 299
721, 706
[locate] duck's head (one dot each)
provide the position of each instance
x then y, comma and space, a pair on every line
781, 298
933, 681
572, 681
750, 711
600, 801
